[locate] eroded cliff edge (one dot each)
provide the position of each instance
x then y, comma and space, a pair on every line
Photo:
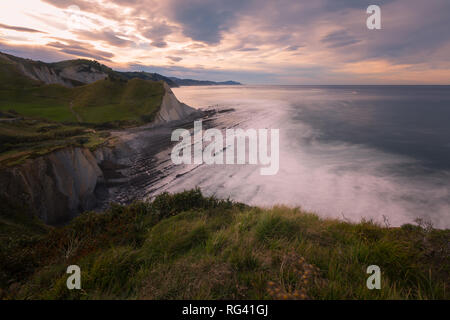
60, 185
55, 187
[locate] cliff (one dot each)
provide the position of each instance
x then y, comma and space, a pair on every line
80, 73
56, 187
173, 110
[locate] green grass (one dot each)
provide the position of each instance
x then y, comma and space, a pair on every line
100, 102
12, 78
187, 246
30, 98
50, 102
28, 138
117, 100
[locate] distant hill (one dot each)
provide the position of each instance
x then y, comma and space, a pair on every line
175, 82
191, 82
148, 76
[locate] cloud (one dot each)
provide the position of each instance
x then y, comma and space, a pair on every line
338, 39
20, 29
35, 52
205, 20
283, 40
333, 5
294, 47
106, 35
82, 50
174, 59
159, 44
82, 53
158, 31
247, 49
63, 4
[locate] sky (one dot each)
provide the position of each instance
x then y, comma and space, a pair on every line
251, 41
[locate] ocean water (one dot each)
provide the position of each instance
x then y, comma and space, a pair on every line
349, 152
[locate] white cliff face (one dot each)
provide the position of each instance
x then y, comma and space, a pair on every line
173, 110
45, 75
78, 73
57, 186
76, 173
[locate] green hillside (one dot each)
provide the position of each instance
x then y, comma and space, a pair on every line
103, 101
187, 246
25, 138
11, 78
118, 100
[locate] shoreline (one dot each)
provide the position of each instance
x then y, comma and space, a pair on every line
141, 161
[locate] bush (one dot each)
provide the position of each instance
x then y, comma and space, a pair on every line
166, 204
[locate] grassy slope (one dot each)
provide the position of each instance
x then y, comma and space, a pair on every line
31, 98
116, 100
191, 247
26, 138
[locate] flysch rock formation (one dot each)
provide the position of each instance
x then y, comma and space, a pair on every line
44, 74
75, 73
57, 186
79, 73
173, 110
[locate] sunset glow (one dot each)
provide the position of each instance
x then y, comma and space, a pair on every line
282, 42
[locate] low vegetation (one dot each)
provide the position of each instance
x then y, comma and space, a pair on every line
187, 246
134, 101
23, 138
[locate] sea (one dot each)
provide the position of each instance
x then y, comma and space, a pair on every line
346, 152
354, 153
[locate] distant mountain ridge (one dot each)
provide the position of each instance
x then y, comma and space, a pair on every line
174, 81
192, 82
73, 73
